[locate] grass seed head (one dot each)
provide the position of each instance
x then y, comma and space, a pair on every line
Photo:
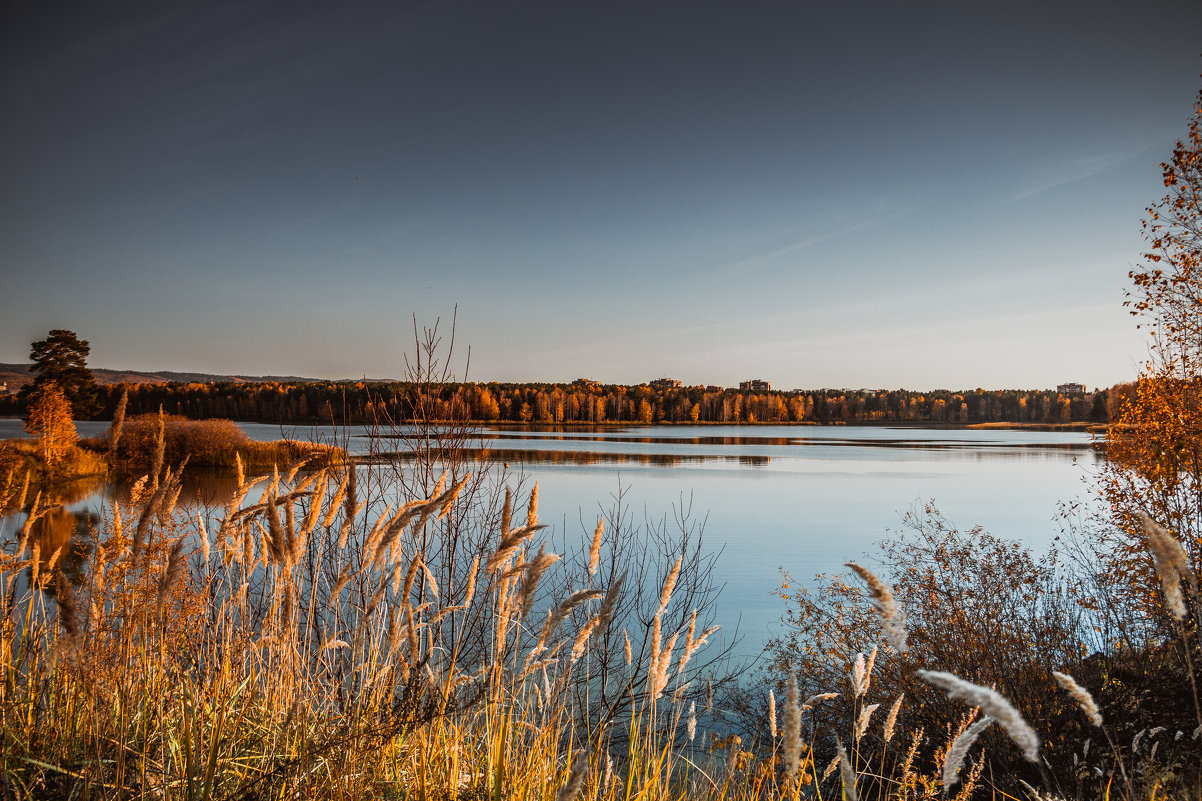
959, 749
1081, 696
992, 704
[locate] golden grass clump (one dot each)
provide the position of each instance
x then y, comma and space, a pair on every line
146, 442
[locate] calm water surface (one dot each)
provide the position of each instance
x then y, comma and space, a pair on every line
805, 499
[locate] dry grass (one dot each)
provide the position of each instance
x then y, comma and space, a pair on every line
312, 641
205, 443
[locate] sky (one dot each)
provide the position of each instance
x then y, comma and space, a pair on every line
873, 194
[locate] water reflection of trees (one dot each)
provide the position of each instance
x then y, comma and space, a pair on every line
60, 528
537, 456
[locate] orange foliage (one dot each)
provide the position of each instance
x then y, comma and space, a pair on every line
50, 421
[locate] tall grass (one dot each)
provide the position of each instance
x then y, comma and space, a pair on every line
145, 442
311, 640
294, 645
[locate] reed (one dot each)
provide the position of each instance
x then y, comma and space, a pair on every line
298, 644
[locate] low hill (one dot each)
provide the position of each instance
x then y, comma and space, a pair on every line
18, 375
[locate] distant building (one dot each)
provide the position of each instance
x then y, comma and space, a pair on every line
3, 387
1071, 389
665, 383
586, 382
755, 385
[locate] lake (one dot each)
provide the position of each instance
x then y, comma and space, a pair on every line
803, 498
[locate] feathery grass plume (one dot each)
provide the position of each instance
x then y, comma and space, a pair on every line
291, 550
791, 731
893, 620
506, 513
36, 564
831, 767
626, 645
859, 677
336, 501
534, 571
414, 565
692, 726
204, 537
344, 530
575, 781
709, 694
510, 543
118, 422
295, 468
471, 583
865, 716
869, 667
315, 505
398, 575
54, 557
276, 537
160, 449
582, 639
430, 581
772, 713
891, 719
848, 774
992, 704
561, 613
1035, 795
532, 508
350, 504
446, 500
152, 508
609, 604
248, 546
175, 569
687, 653
1171, 564
594, 551
653, 663
374, 545
1081, 696
815, 700
343, 579
669, 585
959, 749
240, 473
658, 674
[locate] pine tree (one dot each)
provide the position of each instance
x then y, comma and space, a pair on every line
62, 358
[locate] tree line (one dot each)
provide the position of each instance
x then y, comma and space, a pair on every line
386, 403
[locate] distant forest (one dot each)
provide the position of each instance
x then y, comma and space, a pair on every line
580, 402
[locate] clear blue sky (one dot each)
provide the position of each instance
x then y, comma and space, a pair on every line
838, 194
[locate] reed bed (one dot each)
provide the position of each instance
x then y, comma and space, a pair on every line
312, 640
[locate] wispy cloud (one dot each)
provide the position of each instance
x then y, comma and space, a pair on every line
1073, 171
764, 261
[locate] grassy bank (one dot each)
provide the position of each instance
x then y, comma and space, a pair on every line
142, 446
1093, 427
312, 642
149, 440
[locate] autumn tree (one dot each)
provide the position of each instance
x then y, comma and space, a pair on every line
62, 357
1155, 451
49, 420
